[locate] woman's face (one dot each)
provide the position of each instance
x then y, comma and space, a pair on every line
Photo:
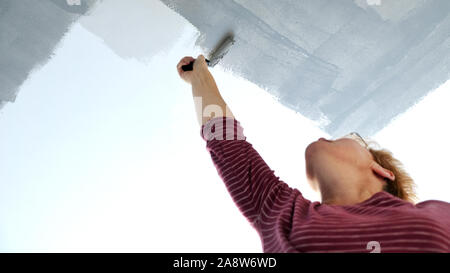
335, 159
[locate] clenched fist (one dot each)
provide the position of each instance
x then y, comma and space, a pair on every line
200, 69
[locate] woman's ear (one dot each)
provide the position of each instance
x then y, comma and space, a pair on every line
385, 173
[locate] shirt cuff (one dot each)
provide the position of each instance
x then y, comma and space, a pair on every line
222, 128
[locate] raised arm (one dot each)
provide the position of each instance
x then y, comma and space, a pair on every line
206, 95
252, 185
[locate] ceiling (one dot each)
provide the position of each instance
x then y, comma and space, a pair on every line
349, 65
29, 32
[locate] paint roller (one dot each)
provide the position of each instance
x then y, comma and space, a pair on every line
216, 54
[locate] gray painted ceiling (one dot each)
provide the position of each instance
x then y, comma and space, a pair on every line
29, 32
352, 65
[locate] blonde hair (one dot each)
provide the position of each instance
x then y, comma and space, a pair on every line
403, 186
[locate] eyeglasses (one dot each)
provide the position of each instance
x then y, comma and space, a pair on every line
357, 137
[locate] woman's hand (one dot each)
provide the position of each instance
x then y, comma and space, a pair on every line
200, 69
206, 95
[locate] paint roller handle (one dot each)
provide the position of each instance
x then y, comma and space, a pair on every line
190, 66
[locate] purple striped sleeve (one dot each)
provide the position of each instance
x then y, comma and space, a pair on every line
248, 179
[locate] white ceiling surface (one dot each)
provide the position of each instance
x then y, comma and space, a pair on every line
336, 63
102, 153
101, 150
346, 64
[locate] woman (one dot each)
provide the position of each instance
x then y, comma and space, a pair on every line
367, 198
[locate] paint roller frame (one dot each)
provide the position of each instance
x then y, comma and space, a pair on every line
217, 53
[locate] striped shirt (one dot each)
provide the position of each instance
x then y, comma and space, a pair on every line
288, 222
